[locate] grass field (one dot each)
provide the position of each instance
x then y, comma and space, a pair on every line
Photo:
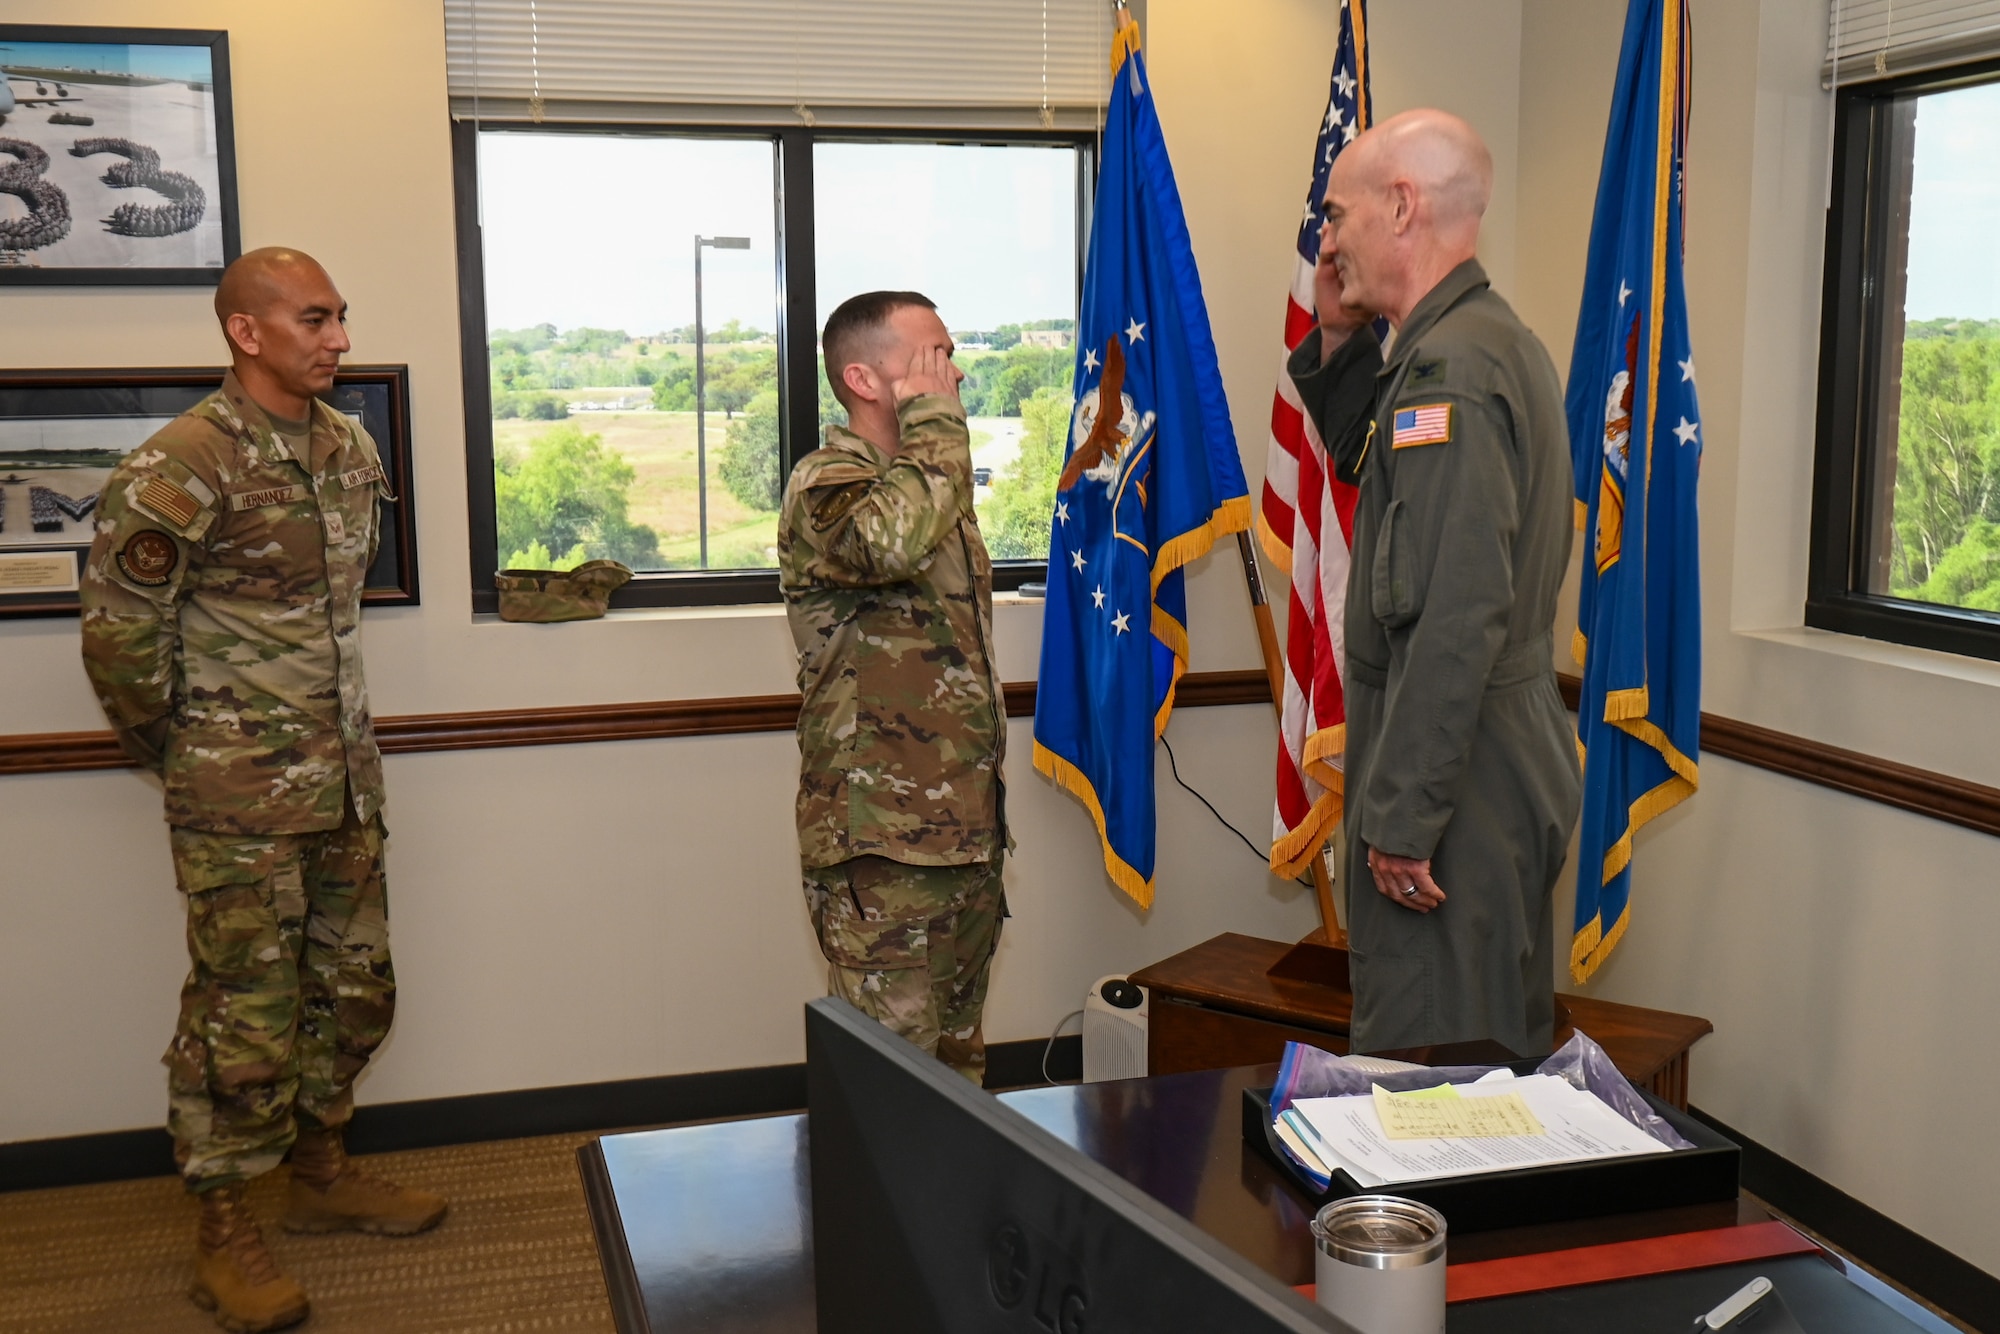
660, 446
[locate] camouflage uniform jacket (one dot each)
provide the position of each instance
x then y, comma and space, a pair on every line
889, 591
223, 595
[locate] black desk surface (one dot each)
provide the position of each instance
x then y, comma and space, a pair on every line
710, 1227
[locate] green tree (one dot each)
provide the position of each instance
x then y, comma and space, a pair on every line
1018, 514
751, 465
1968, 574
593, 342
537, 557
673, 383
1947, 449
569, 492
737, 377
995, 386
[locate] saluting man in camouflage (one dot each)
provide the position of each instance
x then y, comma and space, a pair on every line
221, 630
889, 591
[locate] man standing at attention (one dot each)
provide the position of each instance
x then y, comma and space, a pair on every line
889, 592
1462, 784
221, 630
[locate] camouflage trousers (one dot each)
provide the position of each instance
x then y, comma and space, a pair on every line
912, 946
288, 993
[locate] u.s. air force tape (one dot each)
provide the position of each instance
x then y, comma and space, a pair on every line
361, 476
148, 558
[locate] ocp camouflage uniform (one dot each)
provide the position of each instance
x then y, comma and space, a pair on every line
221, 630
889, 592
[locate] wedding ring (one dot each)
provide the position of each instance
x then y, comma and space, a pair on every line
1409, 891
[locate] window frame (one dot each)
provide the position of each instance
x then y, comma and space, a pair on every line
797, 334
1870, 186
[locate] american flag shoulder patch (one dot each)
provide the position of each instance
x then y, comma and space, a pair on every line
167, 500
1428, 424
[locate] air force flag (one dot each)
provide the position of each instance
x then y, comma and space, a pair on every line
1152, 479
1635, 430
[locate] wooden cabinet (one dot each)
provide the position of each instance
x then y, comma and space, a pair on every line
1236, 1000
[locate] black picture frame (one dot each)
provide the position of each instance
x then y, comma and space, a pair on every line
132, 404
86, 189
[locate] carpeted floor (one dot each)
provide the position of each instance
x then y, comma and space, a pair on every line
515, 1254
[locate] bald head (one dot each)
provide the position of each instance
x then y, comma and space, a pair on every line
1403, 206
1442, 156
261, 278
285, 322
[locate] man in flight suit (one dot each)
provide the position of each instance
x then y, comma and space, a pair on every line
221, 631
889, 592
1462, 783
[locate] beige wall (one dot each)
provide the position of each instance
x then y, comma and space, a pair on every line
1842, 948
568, 914
647, 921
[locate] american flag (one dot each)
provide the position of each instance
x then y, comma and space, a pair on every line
1429, 425
1306, 517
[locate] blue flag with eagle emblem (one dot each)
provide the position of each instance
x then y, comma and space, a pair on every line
1635, 433
1151, 479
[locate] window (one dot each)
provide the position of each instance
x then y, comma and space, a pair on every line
1906, 515
641, 309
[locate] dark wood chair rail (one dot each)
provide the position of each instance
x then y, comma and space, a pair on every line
1906, 787
58, 752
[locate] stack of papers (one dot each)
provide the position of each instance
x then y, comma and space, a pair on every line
1499, 1124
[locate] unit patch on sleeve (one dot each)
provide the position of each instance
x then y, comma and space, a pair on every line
1426, 425
167, 501
148, 558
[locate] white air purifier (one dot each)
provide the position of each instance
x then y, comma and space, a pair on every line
1114, 1030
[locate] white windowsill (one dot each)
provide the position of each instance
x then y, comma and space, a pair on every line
1930, 662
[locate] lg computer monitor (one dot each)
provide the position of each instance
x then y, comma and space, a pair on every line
939, 1210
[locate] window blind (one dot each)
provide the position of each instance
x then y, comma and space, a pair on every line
1868, 39
845, 60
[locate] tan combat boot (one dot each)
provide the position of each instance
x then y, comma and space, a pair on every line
331, 1194
234, 1276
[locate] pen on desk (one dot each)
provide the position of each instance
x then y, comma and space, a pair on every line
1736, 1307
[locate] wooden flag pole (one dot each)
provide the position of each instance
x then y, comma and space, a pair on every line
1274, 670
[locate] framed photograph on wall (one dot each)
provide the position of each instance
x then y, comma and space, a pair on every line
62, 432
117, 156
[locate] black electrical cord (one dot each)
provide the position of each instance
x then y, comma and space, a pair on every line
1262, 854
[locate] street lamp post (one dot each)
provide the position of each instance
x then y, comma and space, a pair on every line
701, 383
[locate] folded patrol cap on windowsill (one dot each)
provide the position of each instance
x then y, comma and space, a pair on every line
580, 594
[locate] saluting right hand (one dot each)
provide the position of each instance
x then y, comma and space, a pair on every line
1336, 320
931, 372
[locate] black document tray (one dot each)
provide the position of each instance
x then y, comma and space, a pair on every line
1553, 1194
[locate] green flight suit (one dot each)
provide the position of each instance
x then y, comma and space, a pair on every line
1459, 748
889, 592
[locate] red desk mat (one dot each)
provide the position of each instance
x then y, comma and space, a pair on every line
1616, 1260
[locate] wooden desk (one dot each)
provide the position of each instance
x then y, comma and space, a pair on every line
709, 1227
1220, 1005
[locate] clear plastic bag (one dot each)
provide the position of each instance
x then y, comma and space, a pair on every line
1308, 1072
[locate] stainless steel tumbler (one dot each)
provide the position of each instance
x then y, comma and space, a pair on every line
1379, 1263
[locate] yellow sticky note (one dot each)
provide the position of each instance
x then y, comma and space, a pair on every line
1408, 1116
1440, 1091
